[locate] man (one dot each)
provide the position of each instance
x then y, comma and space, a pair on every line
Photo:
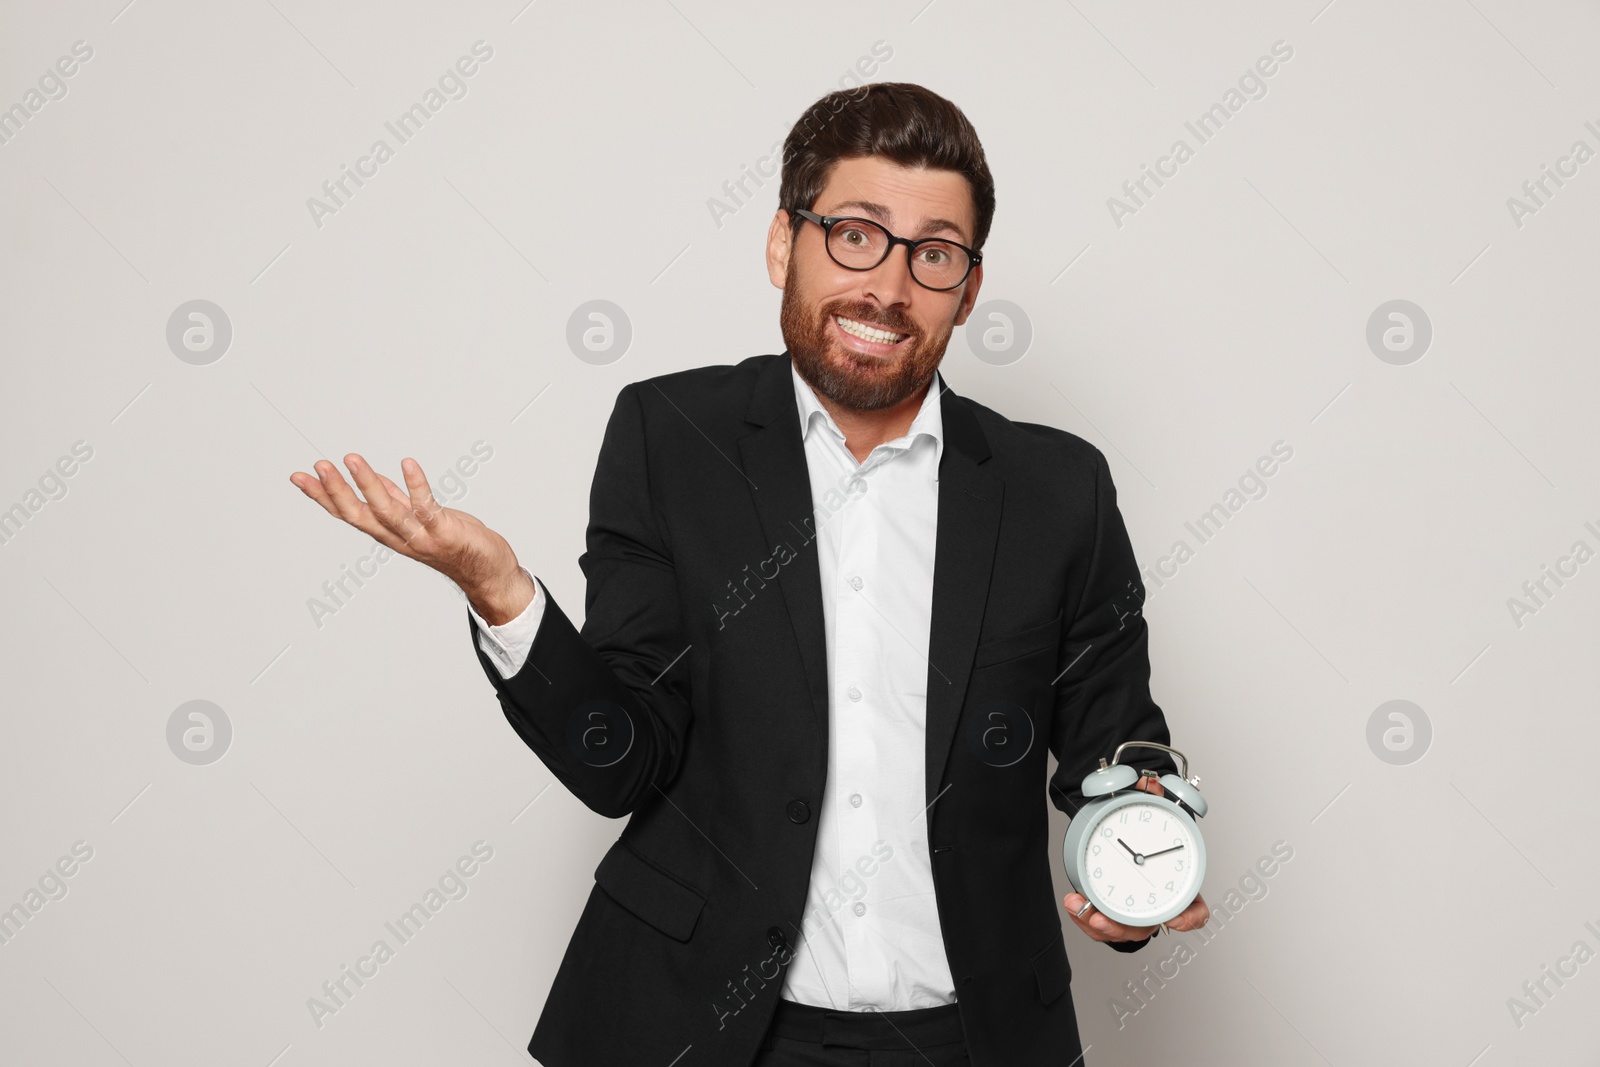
836, 614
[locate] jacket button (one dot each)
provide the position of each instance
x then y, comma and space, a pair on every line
776, 937
799, 811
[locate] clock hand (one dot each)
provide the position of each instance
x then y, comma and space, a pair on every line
1163, 852
1136, 857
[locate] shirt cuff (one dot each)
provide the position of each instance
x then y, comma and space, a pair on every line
508, 645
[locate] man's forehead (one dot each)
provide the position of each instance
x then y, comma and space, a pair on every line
922, 198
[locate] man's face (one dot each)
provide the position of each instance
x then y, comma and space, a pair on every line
857, 373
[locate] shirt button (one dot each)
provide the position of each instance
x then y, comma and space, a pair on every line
860, 908
855, 800
854, 694
856, 582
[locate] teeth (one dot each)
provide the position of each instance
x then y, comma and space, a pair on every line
865, 332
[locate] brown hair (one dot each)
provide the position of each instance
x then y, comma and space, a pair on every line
903, 123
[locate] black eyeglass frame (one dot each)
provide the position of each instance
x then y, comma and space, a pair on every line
827, 222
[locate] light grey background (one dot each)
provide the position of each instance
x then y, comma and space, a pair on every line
1228, 313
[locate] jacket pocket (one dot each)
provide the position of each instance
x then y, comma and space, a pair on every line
649, 893
1051, 968
1021, 643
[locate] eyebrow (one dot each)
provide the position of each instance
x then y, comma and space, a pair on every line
881, 214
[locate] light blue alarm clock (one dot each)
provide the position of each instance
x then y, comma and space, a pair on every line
1137, 857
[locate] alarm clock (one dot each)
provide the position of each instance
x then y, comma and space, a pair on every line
1137, 857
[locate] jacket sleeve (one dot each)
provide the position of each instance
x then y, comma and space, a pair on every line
1103, 692
607, 709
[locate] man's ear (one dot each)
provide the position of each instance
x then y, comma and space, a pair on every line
970, 296
780, 246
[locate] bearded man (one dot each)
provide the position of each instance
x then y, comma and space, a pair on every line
836, 617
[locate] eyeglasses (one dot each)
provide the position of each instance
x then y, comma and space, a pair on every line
861, 244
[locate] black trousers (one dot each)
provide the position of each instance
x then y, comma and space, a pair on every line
805, 1036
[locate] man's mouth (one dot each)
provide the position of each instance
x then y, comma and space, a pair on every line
868, 332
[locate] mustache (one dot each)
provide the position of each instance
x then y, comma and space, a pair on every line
886, 318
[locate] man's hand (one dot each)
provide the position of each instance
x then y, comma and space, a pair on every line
1101, 928
413, 524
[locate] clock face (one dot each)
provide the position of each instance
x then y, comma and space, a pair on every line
1140, 859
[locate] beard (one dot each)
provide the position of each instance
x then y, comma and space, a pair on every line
849, 379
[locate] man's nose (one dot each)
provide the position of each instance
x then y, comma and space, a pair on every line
891, 281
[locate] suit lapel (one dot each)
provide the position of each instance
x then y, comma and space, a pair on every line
775, 461
968, 527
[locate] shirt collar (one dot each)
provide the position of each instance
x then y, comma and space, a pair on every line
929, 419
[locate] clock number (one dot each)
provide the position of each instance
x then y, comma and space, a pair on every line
1152, 898
1095, 850
1130, 900
1097, 872
1124, 819
1169, 887
1178, 866
1146, 815
1106, 832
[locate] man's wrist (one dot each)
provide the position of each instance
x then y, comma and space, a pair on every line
500, 601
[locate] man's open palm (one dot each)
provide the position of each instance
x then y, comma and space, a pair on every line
414, 524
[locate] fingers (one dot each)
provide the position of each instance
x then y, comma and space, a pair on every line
312, 487
423, 505
1196, 915
396, 518
1098, 926
1151, 786
384, 507
394, 490
348, 506
339, 500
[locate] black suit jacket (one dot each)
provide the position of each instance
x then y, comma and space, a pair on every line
695, 702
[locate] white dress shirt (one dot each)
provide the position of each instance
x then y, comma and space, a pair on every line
870, 938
